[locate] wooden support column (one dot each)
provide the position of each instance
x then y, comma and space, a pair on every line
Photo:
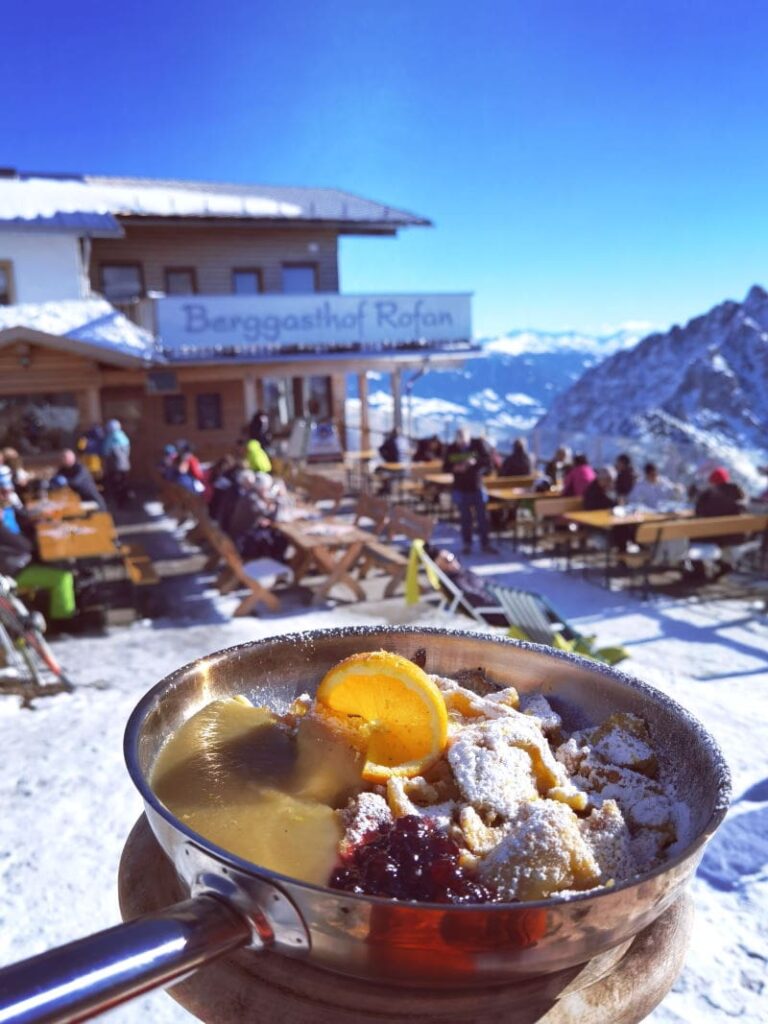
92, 405
339, 405
250, 399
397, 398
365, 425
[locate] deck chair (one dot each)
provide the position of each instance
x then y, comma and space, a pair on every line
452, 597
532, 614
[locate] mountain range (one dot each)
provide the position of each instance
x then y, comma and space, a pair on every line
701, 389
690, 396
511, 386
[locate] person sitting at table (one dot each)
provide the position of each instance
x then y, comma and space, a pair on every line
600, 491
518, 462
251, 522
17, 554
625, 477
721, 497
653, 490
77, 478
428, 449
394, 448
578, 478
21, 478
192, 464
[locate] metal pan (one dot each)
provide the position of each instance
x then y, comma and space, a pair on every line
234, 903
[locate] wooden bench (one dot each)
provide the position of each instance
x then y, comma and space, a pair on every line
139, 567
547, 532
141, 571
652, 537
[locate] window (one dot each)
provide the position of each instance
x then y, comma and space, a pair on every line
208, 411
6, 283
317, 397
180, 281
299, 278
246, 282
121, 281
175, 410
34, 424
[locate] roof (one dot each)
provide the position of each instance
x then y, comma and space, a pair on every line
29, 197
95, 327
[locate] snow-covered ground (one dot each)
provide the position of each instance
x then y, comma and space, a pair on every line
68, 804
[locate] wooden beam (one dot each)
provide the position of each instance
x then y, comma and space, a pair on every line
365, 423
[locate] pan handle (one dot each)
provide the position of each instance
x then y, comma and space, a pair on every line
92, 975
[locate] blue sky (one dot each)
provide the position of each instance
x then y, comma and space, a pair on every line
585, 163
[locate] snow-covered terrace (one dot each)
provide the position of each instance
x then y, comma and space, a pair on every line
69, 805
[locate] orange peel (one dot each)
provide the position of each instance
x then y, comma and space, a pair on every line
393, 707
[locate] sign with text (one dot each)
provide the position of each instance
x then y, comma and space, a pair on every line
186, 322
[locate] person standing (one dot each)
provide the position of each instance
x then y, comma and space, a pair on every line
116, 455
468, 461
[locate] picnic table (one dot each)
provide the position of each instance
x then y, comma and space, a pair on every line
64, 504
606, 520
334, 547
71, 539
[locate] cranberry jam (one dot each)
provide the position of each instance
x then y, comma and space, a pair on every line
408, 859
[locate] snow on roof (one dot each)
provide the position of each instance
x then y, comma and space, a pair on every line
89, 321
30, 197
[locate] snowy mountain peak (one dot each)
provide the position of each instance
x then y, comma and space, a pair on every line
531, 342
703, 385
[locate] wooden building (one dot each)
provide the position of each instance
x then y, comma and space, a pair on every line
201, 304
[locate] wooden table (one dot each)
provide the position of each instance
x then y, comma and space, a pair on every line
333, 546
72, 539
605, 520
514, 495
53, 509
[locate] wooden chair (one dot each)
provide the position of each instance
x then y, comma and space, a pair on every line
234, 576
548, 532
319, 489
372, 513
404, 524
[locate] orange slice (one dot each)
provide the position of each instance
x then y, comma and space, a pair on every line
394, 706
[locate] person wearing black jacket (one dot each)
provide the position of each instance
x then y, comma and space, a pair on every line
518, 462
468, 459
598, 494
625, 477
74, 475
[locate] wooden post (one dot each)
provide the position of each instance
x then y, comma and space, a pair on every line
92, 405
365, 424
397, 398
250, 401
